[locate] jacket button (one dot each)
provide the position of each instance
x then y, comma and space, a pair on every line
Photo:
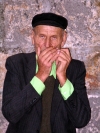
34, 100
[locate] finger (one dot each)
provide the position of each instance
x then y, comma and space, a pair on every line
46, 51
66, 50
49, 55
53, 57
57, 63
64, 56
63, 60
49, 58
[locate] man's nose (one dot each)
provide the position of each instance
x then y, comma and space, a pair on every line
47, 42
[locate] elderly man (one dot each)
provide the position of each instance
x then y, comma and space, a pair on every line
44, 91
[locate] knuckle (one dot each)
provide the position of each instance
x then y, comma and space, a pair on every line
45, 63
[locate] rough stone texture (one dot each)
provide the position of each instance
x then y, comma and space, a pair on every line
2, 68
1, 25
3, 122
83, 41
94, 124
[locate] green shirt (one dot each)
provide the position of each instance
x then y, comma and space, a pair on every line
66, 90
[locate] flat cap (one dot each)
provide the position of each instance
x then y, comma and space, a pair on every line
49, 19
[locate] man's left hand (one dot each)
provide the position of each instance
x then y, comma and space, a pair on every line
62, 64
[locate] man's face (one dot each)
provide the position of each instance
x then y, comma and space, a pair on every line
48, 36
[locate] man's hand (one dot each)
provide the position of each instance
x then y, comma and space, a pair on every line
62, 64
45, 60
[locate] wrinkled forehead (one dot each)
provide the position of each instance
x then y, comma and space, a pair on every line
47, 29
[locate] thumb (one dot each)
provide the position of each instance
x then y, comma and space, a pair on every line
57, 63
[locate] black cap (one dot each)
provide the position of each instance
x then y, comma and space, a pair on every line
49, 19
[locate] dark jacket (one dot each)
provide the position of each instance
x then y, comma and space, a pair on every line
22, 104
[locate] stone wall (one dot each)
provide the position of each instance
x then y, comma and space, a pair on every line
83, 41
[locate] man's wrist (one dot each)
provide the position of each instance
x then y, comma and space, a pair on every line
62, 80
41, 76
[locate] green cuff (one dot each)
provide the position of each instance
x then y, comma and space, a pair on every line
66, 90
38, 85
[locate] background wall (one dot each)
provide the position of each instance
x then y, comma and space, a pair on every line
83, 41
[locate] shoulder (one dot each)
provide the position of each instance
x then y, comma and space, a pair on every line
20, 60
76, 63
76, 66
76, 70
21, 57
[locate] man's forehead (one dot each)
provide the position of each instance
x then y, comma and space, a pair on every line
47, 28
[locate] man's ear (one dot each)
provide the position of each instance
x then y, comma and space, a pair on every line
64, 38
32, 37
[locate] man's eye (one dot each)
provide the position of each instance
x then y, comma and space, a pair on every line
54, 37
42, 36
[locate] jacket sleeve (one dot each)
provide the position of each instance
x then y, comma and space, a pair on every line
17, 99
77, 105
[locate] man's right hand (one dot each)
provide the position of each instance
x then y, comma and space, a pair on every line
45, 60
